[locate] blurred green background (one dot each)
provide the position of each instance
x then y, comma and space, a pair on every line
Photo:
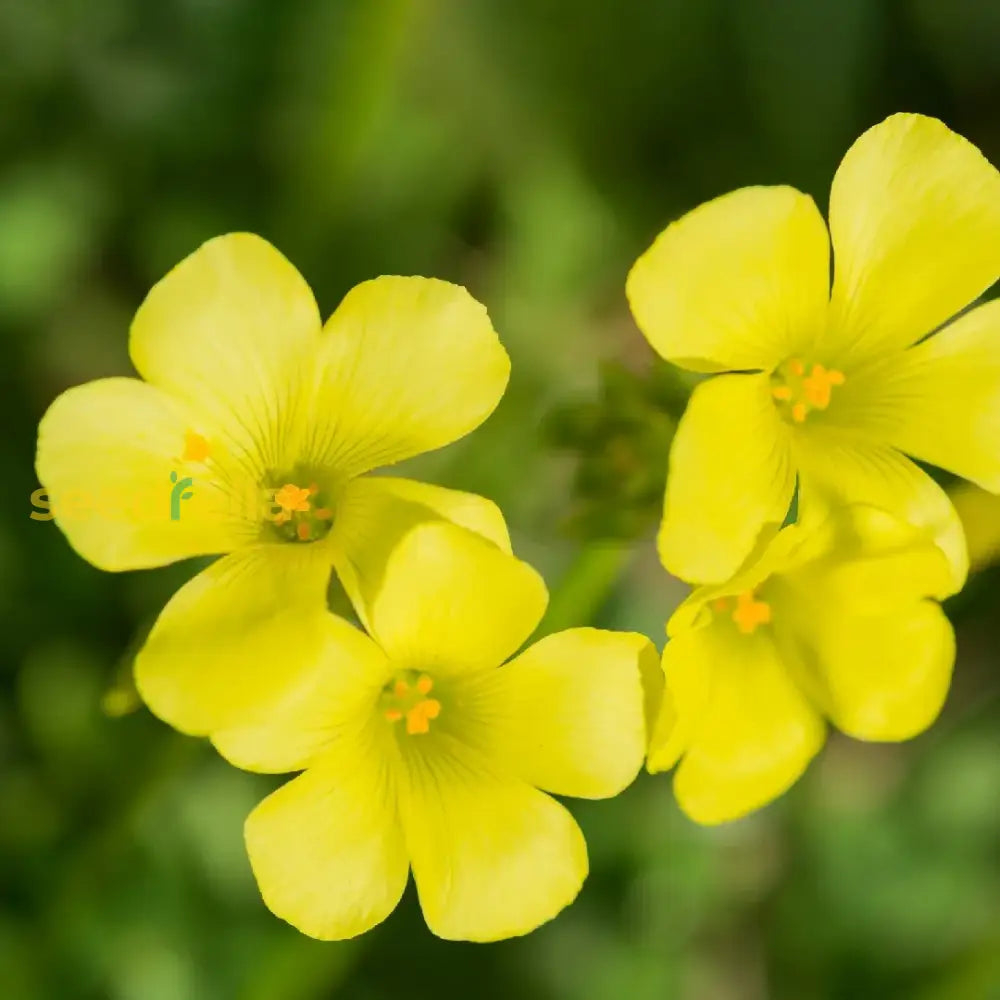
529, 149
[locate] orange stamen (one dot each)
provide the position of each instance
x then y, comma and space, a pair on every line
195, 447
804, 392
418, 719
291, 498
750, 613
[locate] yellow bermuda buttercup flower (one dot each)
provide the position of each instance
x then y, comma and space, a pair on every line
252, 435
836, 619
830, 387
419, 753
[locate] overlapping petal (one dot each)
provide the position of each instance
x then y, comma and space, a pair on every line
731, 472
327, 848
408, 364
862, 558
860, 625
741, 282
915, 222
568, 714
836, 468
450, 599
233, 641
492, 857
375, 512
320, 706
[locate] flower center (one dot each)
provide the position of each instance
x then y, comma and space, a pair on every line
405, 698
799, 388
746, 611
298, 513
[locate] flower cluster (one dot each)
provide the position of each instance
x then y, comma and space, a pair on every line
428, 738
819, 393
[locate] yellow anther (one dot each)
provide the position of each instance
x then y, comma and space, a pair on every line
424, 684
393, 714
401, 689
720, 604
750, 613
802, 393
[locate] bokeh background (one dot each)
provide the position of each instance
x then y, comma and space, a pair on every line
529, 149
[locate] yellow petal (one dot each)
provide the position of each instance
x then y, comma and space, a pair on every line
730, 473
232, 641
740, 282
567, 715
861, 559
915, 221
939, 401
753, 733
375, 512
688, 685
106, 451
877, 676
492, 857
408, 365
836, 469
322, 704
452, 600
233, 331
857, 620
979, 512
327, 848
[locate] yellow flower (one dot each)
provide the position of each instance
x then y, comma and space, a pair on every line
830, 387
838, 618
264, 423
419, 753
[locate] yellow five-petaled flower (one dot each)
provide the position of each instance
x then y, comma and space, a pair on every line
276, 418
830, 387
837, 618
420, 751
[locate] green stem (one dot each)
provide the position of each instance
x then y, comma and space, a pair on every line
586, 585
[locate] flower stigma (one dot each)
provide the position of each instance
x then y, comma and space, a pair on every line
405, 698
799, 388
